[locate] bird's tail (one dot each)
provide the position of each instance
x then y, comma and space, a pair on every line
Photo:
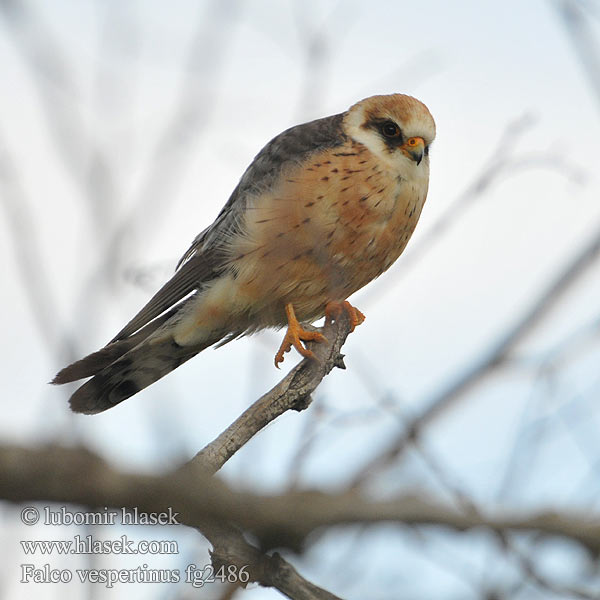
124, 367
132, 372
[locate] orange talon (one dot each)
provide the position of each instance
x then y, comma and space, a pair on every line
334, 309
294, 337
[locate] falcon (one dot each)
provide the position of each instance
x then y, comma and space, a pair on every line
324, 208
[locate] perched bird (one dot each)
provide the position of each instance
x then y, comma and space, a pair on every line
324, 208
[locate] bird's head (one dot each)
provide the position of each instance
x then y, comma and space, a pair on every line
397, 128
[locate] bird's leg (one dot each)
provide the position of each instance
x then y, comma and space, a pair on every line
295, 335
334, 309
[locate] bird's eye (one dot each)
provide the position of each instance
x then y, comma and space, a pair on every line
390, 130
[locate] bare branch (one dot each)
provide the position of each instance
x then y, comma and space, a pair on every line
190, 116
54, 474
501, 164
467, 504
494, 356
292, 392
270, 570
584, 40
29, 257
53, 75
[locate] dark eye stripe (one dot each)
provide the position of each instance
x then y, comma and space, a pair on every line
389, 131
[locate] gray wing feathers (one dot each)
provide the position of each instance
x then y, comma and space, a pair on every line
132, 372
136, 357
199, 269
95, 362
291, 147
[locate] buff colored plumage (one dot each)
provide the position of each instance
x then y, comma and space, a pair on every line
323, 209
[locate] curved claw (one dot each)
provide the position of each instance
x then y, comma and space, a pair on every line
334, 309
295, 335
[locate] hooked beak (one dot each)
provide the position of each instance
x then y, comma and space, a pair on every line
414, 148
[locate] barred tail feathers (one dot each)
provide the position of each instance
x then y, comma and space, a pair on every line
132, 372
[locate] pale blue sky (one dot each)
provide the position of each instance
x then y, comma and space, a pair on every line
478, 66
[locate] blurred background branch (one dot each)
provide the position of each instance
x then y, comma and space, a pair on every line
469, 409
50, 474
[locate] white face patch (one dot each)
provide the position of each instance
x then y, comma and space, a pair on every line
395, 160
354, 128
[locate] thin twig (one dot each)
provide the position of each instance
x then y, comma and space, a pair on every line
584, 40
501, 164
54, 474
30, 258
493, 357
292, 392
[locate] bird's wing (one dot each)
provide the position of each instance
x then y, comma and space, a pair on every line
207, 256
200, 269
291, 147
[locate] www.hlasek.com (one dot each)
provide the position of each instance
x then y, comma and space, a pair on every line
89, 545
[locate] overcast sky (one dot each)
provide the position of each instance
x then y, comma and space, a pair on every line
88, 90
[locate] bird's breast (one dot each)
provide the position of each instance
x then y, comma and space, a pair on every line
328, 228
